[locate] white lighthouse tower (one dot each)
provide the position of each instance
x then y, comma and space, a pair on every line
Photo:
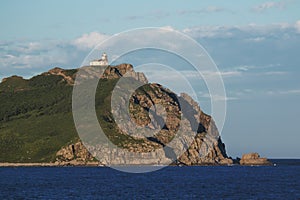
100, 62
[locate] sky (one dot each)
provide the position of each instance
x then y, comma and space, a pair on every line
255, 45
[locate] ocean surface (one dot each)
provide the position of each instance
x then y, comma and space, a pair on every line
206, 182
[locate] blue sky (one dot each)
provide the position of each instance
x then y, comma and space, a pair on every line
255, 44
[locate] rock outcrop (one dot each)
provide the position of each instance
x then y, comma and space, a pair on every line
121, 70
75, 154
111, 72
153, 107
254, 159
69, 78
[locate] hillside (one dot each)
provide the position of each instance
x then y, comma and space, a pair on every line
35, 117
36, 122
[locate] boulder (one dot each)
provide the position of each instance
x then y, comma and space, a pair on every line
254, 159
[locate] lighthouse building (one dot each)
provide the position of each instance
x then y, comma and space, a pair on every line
100, 62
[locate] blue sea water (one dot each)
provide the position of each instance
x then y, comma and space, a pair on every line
207, 182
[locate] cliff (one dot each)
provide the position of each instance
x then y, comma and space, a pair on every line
37, 124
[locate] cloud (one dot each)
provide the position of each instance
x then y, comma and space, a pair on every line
270, 5
167, 74
209, 32
89, 40
270, 73
26, 54
284, 92
212, 74
245, 68
156, 14
160, 14
249, 33
267, 70
256, 39
297, 26
229, 46
253, 68
217, 97
297, 91
27, 57
209, 9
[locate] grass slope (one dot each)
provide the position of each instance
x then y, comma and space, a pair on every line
35, 118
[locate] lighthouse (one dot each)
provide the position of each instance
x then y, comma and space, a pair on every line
100, 62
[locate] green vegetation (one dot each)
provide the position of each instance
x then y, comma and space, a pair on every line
36, 117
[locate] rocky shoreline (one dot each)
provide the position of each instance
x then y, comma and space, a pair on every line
90, 164
250, 159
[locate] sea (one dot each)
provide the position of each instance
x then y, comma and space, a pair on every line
280, 181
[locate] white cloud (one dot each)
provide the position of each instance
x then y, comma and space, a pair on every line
27, 58
210, 74
224, 74
270, 73
256, 39
271, 4
89, 40
209, 9
29, 61
209, 31
217, 97
41, 54
156, 14
297, 26
256, 67
267, 70
188, 74
214, 9
284, 92
168, 28
230, 73
250, 32
245, 68
291, 91
28, 47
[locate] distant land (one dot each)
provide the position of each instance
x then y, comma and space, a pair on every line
37, 127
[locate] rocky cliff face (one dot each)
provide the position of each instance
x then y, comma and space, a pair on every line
68, 78
153, 107
74, 154
111, 72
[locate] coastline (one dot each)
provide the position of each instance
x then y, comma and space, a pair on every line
96, 164
250, 159
89, 164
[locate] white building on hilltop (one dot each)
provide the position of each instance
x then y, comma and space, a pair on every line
101, 62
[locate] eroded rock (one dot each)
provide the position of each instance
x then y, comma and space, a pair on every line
254, 159
146, 105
